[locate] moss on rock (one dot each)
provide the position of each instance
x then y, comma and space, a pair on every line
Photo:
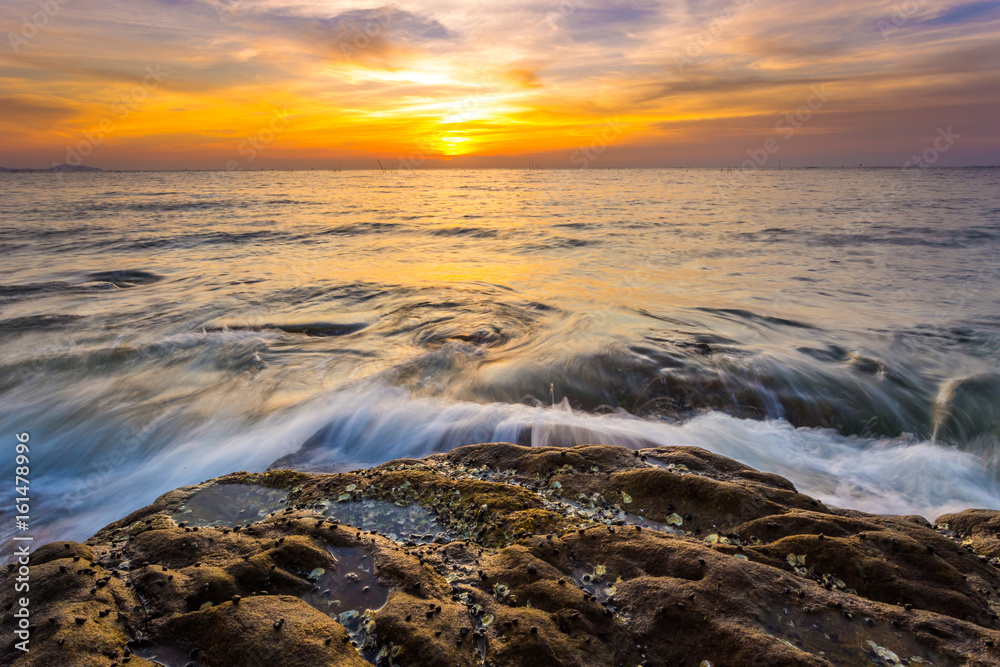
506, 555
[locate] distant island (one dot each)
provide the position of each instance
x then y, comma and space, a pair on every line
57, 167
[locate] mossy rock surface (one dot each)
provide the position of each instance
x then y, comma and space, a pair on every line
500, 554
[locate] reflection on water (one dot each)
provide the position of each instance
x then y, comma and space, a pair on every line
349, 591
159, 329
408, 524
221, 505
166, 656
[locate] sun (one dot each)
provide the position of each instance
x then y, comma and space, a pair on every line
451, 144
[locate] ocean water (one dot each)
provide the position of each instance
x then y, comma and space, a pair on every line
838, 327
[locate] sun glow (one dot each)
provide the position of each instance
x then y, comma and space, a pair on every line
452, 145
497, 85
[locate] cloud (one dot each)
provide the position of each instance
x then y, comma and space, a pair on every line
512, 77
376, 36
609, 23
966, 13
618, 15
524, 77
34, 111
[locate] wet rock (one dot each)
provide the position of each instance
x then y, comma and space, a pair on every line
976, 529
510, 555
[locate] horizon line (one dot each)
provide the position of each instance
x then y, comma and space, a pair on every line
93, 170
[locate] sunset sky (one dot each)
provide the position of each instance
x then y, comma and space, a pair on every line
244, 84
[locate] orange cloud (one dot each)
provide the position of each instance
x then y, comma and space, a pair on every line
447, 82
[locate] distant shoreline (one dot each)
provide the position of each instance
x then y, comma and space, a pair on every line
55, 169
63, 169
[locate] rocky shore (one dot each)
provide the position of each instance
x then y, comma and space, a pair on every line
506, 555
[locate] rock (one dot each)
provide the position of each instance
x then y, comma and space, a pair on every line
977, 529
515, 555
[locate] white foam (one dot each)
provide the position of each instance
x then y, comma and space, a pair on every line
893, 476
382, 423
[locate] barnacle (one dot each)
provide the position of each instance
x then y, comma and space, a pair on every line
884, 653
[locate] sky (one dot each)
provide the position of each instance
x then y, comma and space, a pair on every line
265, 84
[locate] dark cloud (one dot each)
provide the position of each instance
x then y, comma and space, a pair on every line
723, 83
975, 56
401, 24
216, 74
613, 16
966, 13
364, 34
372, 35
25, 110
612, 23
703, 12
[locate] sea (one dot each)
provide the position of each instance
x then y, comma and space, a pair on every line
839, 327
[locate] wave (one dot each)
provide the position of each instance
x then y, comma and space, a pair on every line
899, 475
740, 314
36, 322
362, 228
125, 278
36, 290
556, 243
314, 329
372, 423
191, 205
193, 240
471, 232
644, 318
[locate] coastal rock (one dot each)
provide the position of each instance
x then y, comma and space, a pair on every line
500, 554
978, 531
